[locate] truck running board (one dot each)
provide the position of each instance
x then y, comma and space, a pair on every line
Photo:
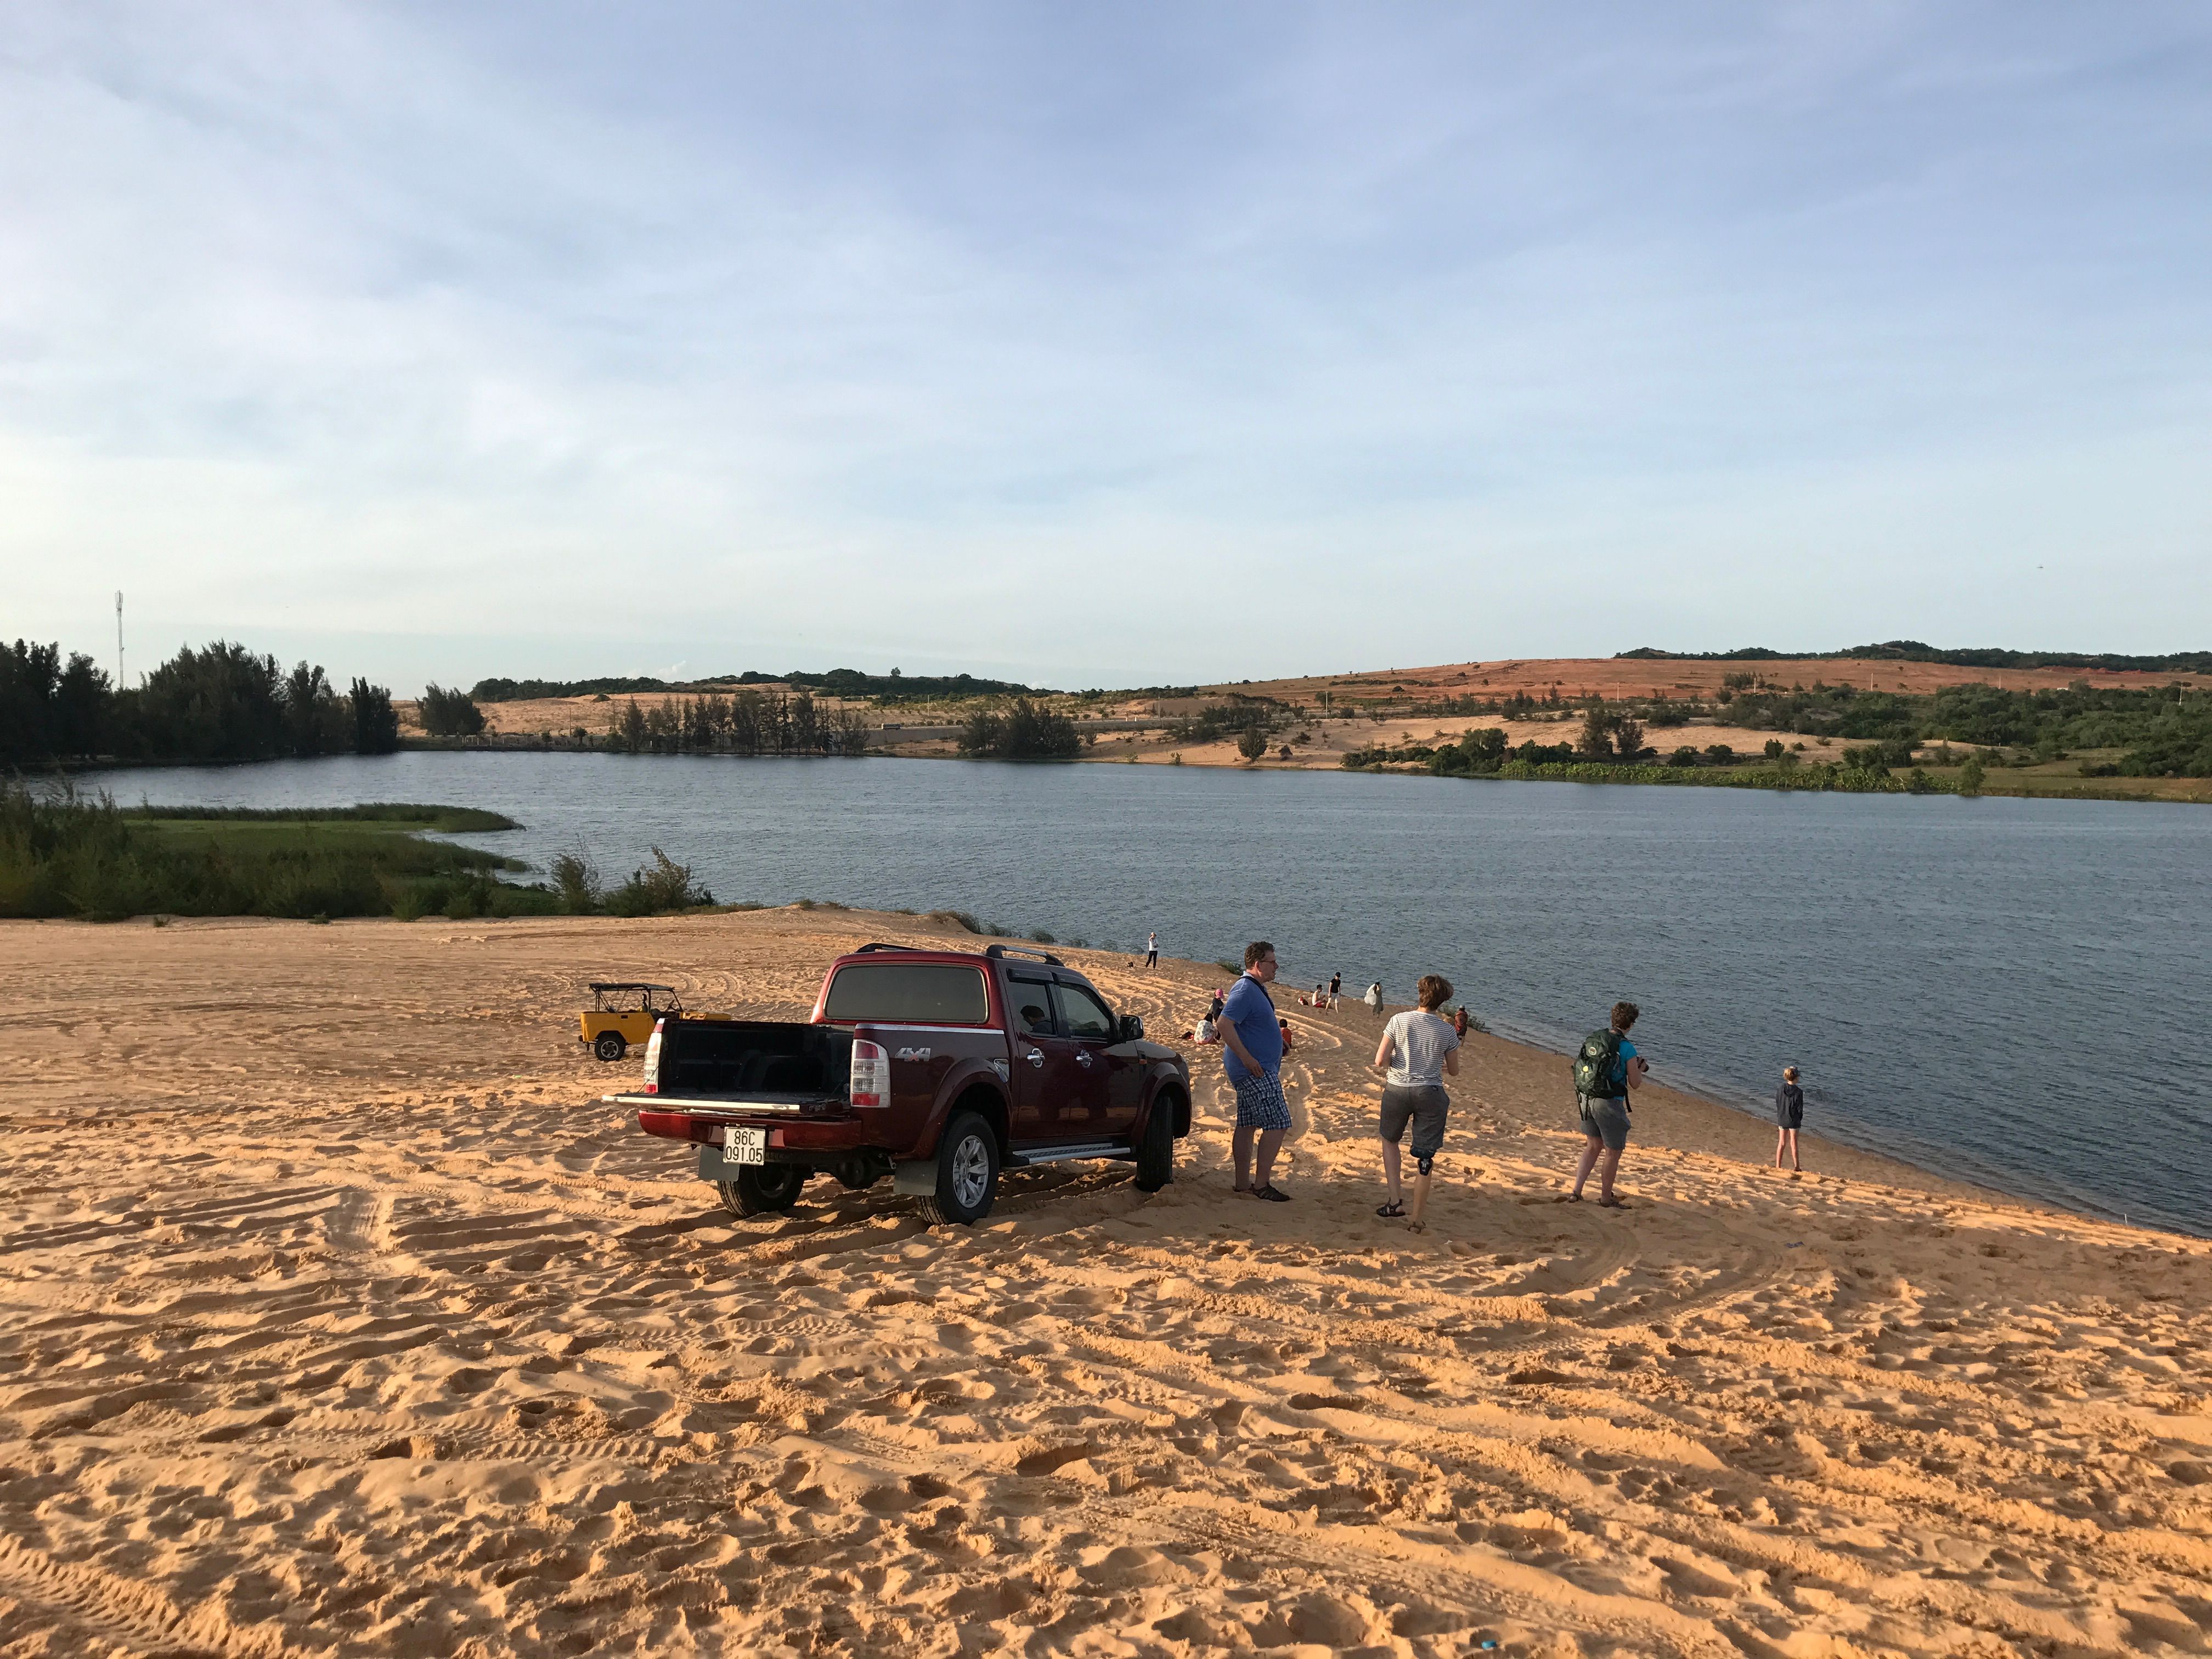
1036, 1155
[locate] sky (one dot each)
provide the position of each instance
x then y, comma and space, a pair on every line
1101, 345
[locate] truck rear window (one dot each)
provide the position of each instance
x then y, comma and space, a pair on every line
910, 992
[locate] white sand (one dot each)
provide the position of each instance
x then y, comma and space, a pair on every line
338, 1317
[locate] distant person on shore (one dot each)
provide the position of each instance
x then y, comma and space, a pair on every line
1254, 1063
1459, 1022
1335, 988
1418, 1048
1607, 1068
1151, 950
1283, 1025
1213, 1010
1789, 1117
1374, 997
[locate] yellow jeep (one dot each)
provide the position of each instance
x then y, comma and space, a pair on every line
622, 1012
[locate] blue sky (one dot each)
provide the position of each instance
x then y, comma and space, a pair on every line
1102, 345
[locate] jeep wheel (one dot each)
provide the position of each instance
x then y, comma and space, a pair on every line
609, 1047
764, 1188
1156, 1148
967, 1172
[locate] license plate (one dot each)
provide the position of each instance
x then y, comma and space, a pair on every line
745, 1145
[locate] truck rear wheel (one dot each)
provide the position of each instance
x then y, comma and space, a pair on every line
967, 1172
1156, 1148
609, 1047
764, 1188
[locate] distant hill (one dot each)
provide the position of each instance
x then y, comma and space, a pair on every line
2179, 662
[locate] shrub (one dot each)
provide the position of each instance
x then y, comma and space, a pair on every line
661, 886
1970, 776
1027, 730
449, 713
576, 879
1685, 756
1252, 743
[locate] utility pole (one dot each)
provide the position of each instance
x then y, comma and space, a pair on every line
118, 639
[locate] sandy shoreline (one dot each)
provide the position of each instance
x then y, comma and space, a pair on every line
339, 1316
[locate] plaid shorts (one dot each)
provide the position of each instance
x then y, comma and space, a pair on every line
1259, 1102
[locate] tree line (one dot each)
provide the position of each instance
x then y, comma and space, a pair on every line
741, 723
221, 702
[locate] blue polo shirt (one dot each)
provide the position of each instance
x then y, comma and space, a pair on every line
1252, 1014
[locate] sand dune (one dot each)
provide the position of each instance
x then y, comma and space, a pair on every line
337, 1316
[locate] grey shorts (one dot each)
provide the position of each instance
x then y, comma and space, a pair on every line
1424, 1107
1605, 1119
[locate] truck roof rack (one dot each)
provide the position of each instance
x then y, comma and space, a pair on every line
1021, 951
873, 945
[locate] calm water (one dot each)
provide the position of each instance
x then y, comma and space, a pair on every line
2009, 991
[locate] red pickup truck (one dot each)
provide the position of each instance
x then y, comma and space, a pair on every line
939, 1068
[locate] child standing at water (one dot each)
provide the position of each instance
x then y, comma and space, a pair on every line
1789, 1117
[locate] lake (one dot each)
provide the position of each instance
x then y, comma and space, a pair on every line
2002, 990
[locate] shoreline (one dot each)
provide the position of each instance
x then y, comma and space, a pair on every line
1686, 1119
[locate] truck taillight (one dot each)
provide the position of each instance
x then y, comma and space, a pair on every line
871, 1074
653, 1059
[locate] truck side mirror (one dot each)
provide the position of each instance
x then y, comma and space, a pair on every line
1132, 1028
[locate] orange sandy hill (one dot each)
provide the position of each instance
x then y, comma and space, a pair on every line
1644, 677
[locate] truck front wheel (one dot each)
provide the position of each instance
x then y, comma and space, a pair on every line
1156, 1147
761, 1188
610, 1045
967, 1172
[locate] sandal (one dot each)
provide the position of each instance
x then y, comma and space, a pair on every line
1271, 1193
1417, 1226
1394, 1208
1611, 1204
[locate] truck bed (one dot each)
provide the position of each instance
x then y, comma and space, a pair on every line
738, 1063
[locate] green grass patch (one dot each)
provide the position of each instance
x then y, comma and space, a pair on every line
63, 854
388, 814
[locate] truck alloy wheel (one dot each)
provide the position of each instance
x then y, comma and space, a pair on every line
609, 1047
967, 1172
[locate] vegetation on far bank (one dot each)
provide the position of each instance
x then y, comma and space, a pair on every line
1026, 730
1903, 741
65, 854
219, 703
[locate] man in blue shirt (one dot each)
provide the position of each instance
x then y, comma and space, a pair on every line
1602, 1115
1252, 1046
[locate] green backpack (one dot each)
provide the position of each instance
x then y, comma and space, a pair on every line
1594, 1065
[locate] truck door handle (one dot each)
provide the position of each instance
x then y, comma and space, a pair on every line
1036, 1057
1083, 1058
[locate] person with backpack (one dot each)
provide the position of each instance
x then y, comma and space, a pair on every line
1418, 1050
1607, 1068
